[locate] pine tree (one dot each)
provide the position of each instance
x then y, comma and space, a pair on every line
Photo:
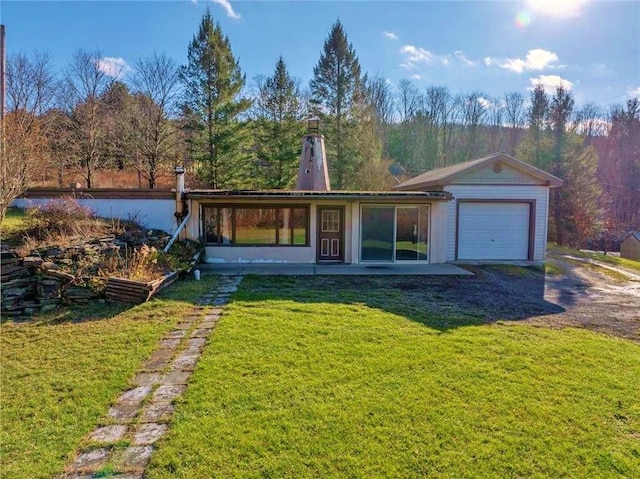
335, 87
279, 115
213, 84
538, 114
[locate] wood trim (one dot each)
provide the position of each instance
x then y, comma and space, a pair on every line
532, 220
101, 193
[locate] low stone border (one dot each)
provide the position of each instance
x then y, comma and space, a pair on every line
141, 414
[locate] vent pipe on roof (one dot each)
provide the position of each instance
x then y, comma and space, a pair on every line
313, 174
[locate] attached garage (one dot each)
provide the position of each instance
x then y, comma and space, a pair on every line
491, 230
499, 211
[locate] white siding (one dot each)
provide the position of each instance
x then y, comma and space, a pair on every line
489, 192
486, 175
508, 175
151, 213
439, 231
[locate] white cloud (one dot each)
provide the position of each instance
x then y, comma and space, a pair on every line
634, 92
388, 81
114, 67
536, 59
390, 35
231, 13
550, 83
415, 55
463, 58
415, 76
484, 102
557, 8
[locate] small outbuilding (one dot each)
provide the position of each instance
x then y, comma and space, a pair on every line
630, 246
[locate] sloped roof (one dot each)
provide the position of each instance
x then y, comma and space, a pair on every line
446, 175
634, 234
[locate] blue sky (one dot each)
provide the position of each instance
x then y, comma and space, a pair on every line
495, 47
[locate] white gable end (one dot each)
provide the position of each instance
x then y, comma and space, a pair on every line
496, 174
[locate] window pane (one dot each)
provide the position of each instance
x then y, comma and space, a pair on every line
299, 221
377, 233
284, 224
255, 225
210, 227
407, 233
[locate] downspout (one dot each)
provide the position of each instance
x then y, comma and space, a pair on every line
180, 207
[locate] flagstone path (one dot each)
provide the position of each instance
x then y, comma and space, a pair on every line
141, 415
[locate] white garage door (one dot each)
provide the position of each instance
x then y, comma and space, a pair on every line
497, 231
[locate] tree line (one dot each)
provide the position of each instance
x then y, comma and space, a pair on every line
233, 135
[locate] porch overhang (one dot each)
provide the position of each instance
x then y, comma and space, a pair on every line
391, 196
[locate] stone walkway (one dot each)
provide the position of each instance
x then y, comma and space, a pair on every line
141, 415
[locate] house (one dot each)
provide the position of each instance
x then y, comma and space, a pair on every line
489, 209
630, 246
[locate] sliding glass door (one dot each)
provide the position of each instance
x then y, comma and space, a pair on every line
394, 233
376, 235
412, 233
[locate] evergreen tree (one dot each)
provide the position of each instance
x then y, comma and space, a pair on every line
213, 83
560, 115
279, 115
335, 88
538, 114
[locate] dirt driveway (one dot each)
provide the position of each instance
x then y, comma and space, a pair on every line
593, 300
578, 297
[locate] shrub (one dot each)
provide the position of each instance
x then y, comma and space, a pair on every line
62, 217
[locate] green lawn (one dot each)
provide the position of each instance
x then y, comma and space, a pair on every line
313, 377
61, 371
613, 260
13, 221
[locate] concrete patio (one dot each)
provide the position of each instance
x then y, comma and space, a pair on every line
298, 269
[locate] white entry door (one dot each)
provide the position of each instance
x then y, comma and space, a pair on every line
493, 231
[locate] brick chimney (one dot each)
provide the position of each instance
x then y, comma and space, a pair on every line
313, 174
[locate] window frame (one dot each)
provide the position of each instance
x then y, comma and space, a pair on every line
278, 207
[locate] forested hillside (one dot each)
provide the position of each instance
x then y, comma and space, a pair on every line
128, 129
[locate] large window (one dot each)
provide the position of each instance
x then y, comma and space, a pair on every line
394, 233
376, 242
256, 225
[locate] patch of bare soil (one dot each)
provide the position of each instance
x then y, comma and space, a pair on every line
593, 300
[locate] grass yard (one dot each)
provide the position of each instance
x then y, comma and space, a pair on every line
613, 260
12, 221
61, 371
322, 377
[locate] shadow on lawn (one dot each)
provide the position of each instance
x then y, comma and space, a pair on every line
440, 302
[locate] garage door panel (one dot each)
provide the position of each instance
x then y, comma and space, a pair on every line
493, 231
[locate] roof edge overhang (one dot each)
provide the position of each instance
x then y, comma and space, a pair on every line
546, 179
320, 195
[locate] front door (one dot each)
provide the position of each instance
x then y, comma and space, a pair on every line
330, 234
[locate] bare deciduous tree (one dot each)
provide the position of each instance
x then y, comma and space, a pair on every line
31, 88
408, 100
85, 82
156, 80
515, 114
